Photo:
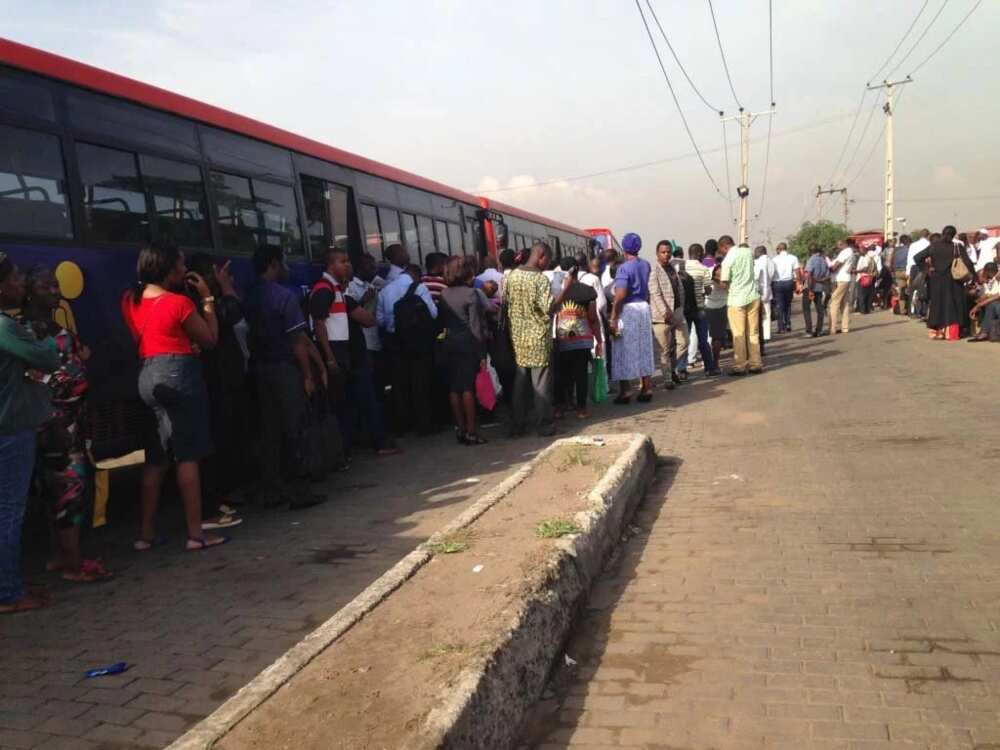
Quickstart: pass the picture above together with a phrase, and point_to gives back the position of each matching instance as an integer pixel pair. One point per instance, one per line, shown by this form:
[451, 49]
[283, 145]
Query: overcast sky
[485, 95]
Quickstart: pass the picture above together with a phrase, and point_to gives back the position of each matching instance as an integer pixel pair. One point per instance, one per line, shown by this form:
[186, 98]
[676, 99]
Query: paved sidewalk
[819, 569]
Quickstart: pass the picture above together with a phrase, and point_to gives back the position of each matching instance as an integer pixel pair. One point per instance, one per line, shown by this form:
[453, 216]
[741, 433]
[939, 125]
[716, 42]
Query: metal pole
[745, 119]
[819, 206]
[890, 179]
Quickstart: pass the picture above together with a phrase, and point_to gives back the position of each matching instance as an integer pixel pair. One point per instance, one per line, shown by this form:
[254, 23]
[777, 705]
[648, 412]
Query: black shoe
[713, 374]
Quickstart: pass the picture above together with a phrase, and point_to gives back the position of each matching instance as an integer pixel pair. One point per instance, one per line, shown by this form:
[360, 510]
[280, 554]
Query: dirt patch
[374, 686]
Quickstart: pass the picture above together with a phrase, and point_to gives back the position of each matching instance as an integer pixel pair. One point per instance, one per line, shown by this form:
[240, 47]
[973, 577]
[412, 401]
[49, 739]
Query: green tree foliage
[823, 233]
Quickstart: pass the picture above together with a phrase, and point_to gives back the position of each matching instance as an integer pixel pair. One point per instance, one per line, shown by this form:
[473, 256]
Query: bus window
[102, 115]
[410, 239]
[255, 213]
[179, 205]
[32, 185]
[326, 214]
[388, 220]
[373, 234]
[455, 239]
[245, 154]
[113, 200]
[279, 219]
[441, 230]
[23, 94]
[425, 228]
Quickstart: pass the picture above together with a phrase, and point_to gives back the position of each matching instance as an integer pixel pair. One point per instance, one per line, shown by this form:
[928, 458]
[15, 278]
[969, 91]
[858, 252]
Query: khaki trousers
[663, 347]
[840, 311]
[744, 322]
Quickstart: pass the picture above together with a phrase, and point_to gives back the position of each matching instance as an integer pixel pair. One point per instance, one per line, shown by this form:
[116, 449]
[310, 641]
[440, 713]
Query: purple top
[633, 276]
[708, 262]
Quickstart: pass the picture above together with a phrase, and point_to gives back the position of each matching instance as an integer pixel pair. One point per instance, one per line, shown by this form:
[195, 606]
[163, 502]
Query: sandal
[223, 521]
[145, 545]
[26, 603]
[201, 543]
[90, 571]
[471, 438]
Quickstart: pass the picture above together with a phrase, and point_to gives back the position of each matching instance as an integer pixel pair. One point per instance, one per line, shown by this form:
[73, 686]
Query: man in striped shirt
[434, 278]
[702, 277]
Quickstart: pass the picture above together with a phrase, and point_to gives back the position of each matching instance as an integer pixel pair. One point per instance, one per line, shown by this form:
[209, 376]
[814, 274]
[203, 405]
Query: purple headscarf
[631, 243]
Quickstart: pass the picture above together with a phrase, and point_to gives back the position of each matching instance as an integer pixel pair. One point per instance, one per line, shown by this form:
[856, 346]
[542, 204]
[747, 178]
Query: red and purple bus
[93, 165]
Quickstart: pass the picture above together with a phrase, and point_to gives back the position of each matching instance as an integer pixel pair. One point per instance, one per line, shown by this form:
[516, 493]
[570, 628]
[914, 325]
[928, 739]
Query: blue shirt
[385, 312]
[274, 314]
[819, 270]
[902, 251]
[633, 276]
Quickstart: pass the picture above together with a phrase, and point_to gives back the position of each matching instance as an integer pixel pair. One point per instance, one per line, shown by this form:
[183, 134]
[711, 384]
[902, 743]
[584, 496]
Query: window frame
[75, 217]
[303, 250]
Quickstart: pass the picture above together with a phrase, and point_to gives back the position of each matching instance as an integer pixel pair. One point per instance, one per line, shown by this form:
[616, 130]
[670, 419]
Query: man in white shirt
[843, 270]
[786, 266]
[916, 247]
[766, 275]
[986, 250]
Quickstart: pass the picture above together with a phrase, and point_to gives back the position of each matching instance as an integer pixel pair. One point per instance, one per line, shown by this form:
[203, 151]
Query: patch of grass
[441, 649]
[553, 528]
[575, 456]
[452, 544]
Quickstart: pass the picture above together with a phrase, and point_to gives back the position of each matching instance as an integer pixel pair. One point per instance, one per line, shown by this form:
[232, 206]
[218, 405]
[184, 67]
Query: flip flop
[91, 571]
[145, 545]
[197, 545]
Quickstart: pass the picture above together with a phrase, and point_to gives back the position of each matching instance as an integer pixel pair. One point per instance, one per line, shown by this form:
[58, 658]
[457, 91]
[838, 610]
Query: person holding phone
[167, 330]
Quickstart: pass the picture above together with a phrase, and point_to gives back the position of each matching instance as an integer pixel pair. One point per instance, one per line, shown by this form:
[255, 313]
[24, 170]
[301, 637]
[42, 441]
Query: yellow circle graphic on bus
[70, 279]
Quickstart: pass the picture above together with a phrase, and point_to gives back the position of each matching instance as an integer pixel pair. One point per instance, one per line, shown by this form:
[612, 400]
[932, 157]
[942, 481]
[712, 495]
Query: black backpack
[415, 330]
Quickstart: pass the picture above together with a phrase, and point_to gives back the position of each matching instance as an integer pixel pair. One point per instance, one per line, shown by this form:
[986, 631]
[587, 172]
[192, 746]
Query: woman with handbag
[950, 269]
[463, 312]
[867, 269]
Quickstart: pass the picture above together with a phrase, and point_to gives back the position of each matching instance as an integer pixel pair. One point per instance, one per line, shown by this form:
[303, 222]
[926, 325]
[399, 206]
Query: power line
[770, 122]
[843, 151]
[678, 61]
[725, 65]
[878, 140]
[932, 200]
[919, 39]
[857, 148]
[948, 38]
[676, 102]
[901, 40]
[656, 162]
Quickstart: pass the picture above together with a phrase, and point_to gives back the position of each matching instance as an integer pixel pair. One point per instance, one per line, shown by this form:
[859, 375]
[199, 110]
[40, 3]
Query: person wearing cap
[632, 324]
[24, 406]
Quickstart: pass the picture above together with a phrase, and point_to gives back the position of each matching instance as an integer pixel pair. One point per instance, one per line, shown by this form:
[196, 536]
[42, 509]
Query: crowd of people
[254, 395]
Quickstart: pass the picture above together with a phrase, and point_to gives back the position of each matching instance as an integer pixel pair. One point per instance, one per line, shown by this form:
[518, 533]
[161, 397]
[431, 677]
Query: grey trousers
[533, 383]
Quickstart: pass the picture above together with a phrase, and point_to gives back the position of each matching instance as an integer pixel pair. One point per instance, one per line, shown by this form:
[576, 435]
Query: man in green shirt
[530, 306]
[24, 406]
[744, 308]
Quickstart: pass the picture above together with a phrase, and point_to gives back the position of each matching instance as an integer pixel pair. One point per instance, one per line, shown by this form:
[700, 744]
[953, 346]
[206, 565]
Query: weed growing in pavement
[442, 649]
[453, 543]
[553, 528]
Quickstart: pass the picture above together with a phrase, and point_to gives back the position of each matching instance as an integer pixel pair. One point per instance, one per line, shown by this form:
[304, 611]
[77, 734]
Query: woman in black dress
[947, 296]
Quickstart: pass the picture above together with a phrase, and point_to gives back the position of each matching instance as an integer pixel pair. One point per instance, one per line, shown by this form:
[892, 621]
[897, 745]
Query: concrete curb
[487, 704]
[608, 504]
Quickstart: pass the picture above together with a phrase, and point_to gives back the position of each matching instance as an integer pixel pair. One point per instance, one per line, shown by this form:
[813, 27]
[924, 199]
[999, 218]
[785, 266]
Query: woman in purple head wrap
[632, 324]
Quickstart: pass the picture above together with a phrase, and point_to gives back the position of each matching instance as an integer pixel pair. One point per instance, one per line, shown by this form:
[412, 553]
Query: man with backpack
[406, 316]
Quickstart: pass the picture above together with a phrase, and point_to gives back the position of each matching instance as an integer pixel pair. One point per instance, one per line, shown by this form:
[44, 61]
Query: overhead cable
[947, 38]
[770, 120]
[725, 65]
[919, 39]
[899, 44]
[677, 104]
[864, 132]
[677, 60]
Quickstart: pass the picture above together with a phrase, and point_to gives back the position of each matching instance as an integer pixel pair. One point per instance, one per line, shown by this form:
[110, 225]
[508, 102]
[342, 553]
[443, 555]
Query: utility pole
[843, 194]
[890, 179]
[743, 191]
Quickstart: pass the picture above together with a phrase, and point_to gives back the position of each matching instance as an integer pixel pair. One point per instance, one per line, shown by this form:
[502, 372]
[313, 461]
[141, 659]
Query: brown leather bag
[959, 271]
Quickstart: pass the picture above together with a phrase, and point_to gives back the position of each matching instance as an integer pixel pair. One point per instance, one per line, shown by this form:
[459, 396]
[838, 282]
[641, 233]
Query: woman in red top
[166, 327]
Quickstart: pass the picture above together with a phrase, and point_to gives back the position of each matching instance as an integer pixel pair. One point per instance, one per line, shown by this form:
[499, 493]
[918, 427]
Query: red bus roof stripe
[64, 69]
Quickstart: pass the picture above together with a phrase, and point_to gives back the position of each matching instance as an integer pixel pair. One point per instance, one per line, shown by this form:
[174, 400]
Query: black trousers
[818, 303]
[784, 291]
[412, 378]
[571, 377]
[866, 294]
[282, 403]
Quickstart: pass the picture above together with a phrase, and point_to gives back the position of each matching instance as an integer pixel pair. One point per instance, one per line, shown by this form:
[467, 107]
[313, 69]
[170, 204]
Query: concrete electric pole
[743, 191]
[820, 192]
[890, 179]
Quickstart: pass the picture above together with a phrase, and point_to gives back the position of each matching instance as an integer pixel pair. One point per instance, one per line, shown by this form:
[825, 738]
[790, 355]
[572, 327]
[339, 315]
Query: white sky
[485, 95]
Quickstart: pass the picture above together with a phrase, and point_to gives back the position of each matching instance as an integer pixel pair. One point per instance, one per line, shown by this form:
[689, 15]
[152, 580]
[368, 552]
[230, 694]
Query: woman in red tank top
[167, 327]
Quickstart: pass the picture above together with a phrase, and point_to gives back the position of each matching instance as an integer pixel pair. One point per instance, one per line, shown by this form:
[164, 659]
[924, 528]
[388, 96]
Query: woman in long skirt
[632, 324]
[948, 304]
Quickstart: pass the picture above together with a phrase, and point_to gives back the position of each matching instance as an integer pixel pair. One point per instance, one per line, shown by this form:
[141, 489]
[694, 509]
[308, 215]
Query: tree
[824, 233]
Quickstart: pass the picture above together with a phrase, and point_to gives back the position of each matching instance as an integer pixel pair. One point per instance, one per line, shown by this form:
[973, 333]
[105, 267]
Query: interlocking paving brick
[810, 570]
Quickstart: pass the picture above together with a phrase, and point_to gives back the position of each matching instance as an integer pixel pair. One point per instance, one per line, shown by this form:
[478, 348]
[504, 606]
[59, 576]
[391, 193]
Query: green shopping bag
[598, 381]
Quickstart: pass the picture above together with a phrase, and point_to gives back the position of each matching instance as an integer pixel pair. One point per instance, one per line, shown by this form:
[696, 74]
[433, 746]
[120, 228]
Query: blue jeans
[701, 330]
[17, 461]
